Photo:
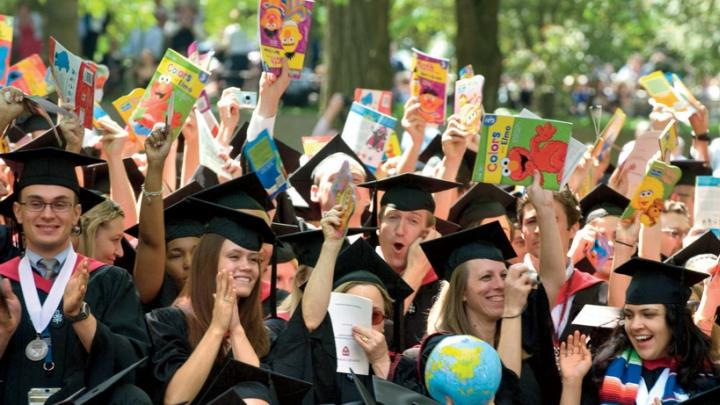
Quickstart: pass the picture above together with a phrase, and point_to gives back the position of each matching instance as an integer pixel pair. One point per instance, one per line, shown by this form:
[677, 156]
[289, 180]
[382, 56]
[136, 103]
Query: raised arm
[11, 106]
[705, 315]
[150, 258]
[454, 144]
[575, 362]
[272, 88]
[316, 297]
[517, 288]
[414, 126]
[626, 242]
[553, 261]
[191, 150]
[121, 191]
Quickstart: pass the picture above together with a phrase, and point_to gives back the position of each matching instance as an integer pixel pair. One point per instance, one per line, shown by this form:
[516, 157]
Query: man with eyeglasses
[67, 322]
[675, 223]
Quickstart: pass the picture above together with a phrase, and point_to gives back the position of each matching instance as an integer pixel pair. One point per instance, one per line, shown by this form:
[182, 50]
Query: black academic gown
[121, 339]
[415, 320]
[166, 296]
[311, 356]
[171, 349]
[512, 390]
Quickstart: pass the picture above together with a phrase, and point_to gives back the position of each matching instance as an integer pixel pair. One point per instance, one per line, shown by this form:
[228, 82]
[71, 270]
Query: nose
[187, 260]
[47, 211]
[119, 250]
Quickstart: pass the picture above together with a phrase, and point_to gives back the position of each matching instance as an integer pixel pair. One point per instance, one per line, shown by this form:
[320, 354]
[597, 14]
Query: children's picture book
[6, 37]
[74, 81]
[264, 159]
[512, 147]
[609, 135]
[343, 194]
[284, 27]
[102, 74]
[392, 147]
[655, 187]
[312, 144]
[675, 95]
[429, 85]
[209, 147]
[380, 100]
[468, 99]
[668, 141]
[707, 202]
[29, 76]
[177, 82]
[367, 131]
[633, 167]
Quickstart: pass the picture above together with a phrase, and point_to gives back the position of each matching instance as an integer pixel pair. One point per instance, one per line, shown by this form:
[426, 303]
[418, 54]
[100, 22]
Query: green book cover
[511, 148]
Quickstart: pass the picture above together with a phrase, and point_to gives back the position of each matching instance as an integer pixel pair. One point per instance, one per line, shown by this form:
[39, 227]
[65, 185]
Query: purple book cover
[429, 84]
[284, 27]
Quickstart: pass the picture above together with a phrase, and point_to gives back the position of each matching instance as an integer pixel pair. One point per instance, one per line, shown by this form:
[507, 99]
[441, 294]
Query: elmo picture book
[429, 85]
[367, 132]
[655, 187]
[511, 148]
[74, 81]
[174, 88]
[284, 30]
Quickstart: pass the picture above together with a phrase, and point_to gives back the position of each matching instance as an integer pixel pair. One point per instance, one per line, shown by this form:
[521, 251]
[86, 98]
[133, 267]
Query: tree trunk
[476, 43]
[61, 22]
[357, 47]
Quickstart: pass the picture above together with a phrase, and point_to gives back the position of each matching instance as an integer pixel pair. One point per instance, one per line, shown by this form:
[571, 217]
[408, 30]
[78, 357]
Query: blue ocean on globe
[463, 368]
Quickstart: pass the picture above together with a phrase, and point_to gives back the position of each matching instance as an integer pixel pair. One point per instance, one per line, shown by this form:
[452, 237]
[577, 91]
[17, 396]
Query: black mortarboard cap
[601, 202]
[283, 390]
[446, 227]
[284, 211]
[92, 395]
[410, 191]
[289, 156]
[245, 192]
[180, 194]
[51, 138]
[97, 176]
[387, 393]
[434, 148]
[708, 397]
[36, 122]
[359, 262]
[479, 202]
[484, 242]
[48, 166]
[307, 244]
[246, 230]
[690, 170]
[238, 140]
[704, 249]
[365, 395]
[658, 283]
[302, 178]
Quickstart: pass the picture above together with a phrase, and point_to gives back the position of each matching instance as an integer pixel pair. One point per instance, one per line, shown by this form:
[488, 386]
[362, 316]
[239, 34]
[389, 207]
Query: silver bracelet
[149, 195]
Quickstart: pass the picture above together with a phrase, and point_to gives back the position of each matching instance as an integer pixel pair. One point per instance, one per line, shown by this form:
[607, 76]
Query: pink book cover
[284, 27]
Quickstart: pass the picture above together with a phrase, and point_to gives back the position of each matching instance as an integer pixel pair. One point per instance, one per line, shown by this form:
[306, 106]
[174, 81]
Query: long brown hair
[448, 312]
[201, 287]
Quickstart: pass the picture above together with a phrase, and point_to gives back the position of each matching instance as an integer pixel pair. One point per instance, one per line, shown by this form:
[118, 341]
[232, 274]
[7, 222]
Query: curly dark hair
[687, 343]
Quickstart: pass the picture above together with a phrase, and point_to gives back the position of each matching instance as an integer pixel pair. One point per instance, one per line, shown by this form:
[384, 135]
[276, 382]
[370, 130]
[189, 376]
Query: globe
[464, 368]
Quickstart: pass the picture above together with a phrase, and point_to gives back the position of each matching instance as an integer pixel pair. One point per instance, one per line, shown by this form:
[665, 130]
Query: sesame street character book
[511, 148]
[367, 133]
[74, 80]
[264, 159]
[429, 85]
[284, 30]
[6, 37]
[30, 76]
[655, 187]
[609, 135]
[674, 95]
[380, 100]
[174, 88]
[468, 98]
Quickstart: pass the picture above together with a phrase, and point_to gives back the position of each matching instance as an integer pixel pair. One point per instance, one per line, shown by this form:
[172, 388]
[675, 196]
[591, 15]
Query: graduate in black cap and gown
[684, 190]
[89, 325]
[222, 317]
[483, 299]
[405, 219]
[657, 352]
[306, 349]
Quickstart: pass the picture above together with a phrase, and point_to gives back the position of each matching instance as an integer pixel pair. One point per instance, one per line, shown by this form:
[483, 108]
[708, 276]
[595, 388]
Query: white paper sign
[707, 202]
[346, 311]
[209, 148]
[575, 152]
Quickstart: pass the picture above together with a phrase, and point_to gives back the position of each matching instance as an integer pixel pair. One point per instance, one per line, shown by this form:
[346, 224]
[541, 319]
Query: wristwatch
[702, 137]
[83, 315]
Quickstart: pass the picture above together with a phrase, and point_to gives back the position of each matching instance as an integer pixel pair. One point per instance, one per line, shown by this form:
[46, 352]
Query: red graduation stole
[10, 269]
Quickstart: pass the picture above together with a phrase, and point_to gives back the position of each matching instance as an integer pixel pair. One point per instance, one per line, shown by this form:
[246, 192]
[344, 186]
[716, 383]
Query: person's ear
[314, 189]
[16, 210]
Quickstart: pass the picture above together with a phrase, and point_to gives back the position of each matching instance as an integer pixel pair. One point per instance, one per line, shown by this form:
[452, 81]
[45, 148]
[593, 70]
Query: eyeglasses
[59, 206]
[378, 317]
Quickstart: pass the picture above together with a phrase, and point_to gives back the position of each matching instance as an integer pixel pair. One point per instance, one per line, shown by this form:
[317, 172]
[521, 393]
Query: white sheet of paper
[575, 152]
[598, 316]
[345, 311]
[707, 201]
[209, 148]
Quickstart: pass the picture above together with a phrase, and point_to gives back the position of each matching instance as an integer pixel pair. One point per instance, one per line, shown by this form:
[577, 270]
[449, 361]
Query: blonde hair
[292, 301]
[90, 221]
[448, 312]
[387, 300]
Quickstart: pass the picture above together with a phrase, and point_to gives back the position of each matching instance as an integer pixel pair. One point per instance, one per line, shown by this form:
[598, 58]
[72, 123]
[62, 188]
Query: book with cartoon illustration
[468, 98]
[264, 159]
[343, 194]
[176, 84]
[284, 27]
[30, 76]
[367, 131]
[6, 37]
[380, 100]
[74, 81]
[429, 84]
[655, 187]
[511, 148]
[674, 95]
